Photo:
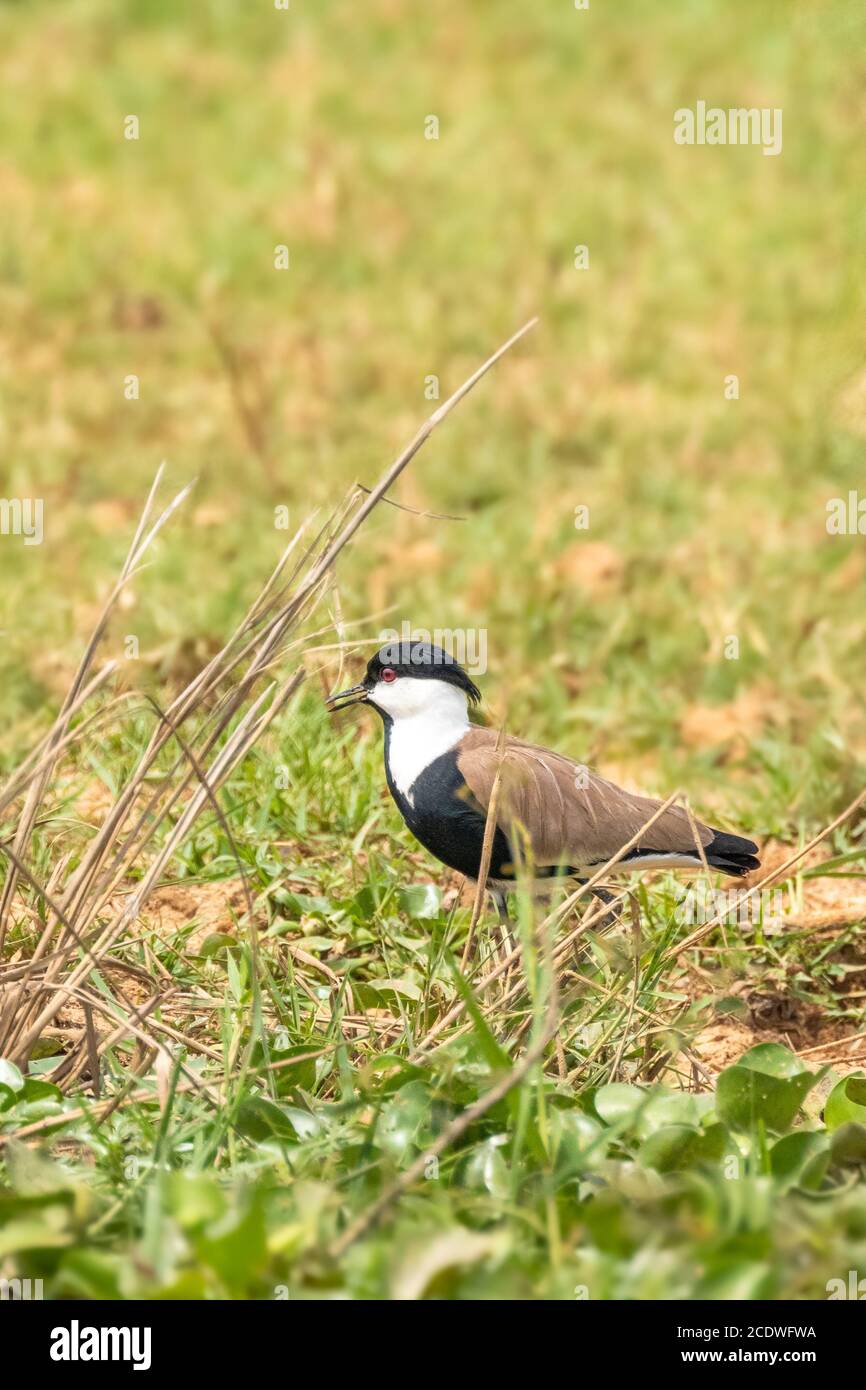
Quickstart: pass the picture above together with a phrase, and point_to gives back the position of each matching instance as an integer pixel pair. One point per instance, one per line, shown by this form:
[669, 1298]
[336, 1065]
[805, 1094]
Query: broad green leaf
[289, 1074]
[314, 944]
[363, 906]
[486, 1168]
[35, 1100]
[399, 1069]
[665, 1107]
[34, 1174]
[235, 1245]
[577, 1137]
[405, 1120]
[619, 1103]
[675, 1147]
[34, 1089]
[801, 1159]
[10, 1075]
[848, 1144]
[737, 1281]
[771, 1059]
[299, 905]
[215, 944]
[260, 1119]
[404, 987]
[7, 1098]
[846, 1102]
[746, 1097]
[430, 1259]
[305, 1123]
[194, 1199]
[32, 1233]
[26, 1111]
[90, 1274]
[421, 900]
[34, 1223]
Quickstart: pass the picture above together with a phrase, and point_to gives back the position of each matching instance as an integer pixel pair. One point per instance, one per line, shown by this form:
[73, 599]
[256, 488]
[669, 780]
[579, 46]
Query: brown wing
[570, 814]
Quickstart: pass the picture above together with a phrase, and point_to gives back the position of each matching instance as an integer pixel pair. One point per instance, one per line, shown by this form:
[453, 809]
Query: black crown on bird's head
[420, 660]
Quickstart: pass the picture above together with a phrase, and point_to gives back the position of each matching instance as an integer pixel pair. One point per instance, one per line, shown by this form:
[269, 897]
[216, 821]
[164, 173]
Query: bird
[441, 769]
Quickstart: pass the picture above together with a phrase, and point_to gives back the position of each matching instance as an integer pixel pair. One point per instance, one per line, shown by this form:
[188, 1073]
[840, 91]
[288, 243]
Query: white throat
[428, 718]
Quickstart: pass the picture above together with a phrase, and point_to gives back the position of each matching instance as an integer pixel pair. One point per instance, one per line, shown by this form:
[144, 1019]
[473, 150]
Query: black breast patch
[444, 815]
[449, 822]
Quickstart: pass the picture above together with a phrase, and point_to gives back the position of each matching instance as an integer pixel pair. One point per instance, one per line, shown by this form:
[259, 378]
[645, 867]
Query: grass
[279, 1091]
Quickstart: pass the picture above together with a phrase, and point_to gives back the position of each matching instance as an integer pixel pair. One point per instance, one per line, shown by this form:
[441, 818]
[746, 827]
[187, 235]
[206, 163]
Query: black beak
[356, 695]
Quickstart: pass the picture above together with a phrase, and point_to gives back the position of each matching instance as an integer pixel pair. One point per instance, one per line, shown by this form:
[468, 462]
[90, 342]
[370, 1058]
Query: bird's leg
[501, 903]
[610, 919]
[602, 894]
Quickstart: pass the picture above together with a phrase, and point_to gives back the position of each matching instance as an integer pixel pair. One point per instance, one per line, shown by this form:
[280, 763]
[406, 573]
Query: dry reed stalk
[204, 734]
[486, 852]
[551, 922]
[775, 876]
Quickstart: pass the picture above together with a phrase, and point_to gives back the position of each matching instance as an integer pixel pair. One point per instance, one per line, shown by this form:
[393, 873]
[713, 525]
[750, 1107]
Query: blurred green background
[412, 257]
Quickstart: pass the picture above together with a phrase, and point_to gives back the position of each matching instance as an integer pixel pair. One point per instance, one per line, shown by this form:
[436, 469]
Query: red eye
[388, 675]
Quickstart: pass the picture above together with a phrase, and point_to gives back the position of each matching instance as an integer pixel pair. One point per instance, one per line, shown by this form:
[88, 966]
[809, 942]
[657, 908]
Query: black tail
[732, 854]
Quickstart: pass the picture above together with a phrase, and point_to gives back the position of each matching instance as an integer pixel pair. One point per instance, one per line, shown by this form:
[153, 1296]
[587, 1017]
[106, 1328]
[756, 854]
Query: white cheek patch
[428, 718]
[398, 698]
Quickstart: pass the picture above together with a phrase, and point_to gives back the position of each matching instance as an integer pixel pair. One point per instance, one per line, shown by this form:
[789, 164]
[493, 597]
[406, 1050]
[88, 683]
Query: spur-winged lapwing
[441, 771]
